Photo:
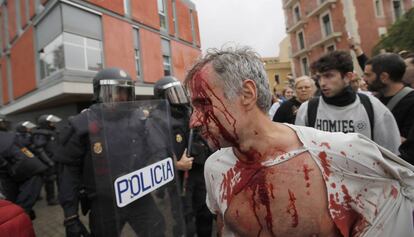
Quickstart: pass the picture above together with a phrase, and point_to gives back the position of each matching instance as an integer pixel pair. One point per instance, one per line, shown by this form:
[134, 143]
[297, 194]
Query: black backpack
[313, 109]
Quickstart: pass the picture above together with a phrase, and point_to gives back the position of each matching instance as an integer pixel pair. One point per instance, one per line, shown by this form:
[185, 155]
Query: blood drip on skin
[306, 171]
[291, 209]
[325, 144]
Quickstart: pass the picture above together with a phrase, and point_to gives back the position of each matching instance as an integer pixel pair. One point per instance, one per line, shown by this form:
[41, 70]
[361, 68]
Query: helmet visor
[116, 91]
[53, 119]
[175, 93]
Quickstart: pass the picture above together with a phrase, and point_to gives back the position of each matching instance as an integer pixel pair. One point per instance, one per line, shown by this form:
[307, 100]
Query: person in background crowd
[45, 142]
[287, 94]
[304, 88]
[273, 179]
[340, 109]
[275, 103]
[409, 70]
[356, 82]
[383, 74]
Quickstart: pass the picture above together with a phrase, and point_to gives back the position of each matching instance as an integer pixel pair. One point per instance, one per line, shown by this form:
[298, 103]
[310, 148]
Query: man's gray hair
[234, 65]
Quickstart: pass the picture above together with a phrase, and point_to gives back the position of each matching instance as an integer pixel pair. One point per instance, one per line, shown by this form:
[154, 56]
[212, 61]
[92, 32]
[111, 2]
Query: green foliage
[400, 35]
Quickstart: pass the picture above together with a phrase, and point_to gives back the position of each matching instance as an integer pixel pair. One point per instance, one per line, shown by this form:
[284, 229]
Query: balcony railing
[300, 52]
[297, 25]
[322, 7]
[326, 39]
[288, 3]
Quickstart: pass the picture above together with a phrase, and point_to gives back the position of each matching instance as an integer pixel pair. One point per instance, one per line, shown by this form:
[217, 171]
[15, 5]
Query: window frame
[138, 54]
[296, 18]
[304, 71]
[169, 56]
[379, 13]
[162, 14]
[322, 24]
[298, 39]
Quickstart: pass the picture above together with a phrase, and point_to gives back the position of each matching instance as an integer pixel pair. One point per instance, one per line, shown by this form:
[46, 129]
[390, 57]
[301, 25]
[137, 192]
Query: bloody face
[213, 114]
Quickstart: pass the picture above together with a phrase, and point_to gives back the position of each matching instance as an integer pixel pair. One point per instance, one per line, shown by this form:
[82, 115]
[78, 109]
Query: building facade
[51, 49]
[279, 69]
[318, 26]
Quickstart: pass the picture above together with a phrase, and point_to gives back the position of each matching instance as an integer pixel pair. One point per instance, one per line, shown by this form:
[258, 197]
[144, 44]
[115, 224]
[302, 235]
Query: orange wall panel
[23, 64]
[184, 22]
[183, 58]
[11, 9]
[23, 18]
[2, 32]
[151, 56]
[116, 6]
[32, 9]
[3, 63]
[196, 28]
[118, 44]
[146, 12]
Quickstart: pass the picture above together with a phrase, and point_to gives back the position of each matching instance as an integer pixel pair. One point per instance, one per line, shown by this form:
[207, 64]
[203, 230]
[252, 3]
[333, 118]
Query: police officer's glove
[75, 228]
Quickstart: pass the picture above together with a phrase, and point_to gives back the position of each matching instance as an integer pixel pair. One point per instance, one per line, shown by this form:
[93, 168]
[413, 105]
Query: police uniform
[20, 172]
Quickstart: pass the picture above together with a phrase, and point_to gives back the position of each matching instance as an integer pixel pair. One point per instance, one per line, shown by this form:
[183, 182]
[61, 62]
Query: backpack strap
[396, 98]
[312, 111]
[366, 102]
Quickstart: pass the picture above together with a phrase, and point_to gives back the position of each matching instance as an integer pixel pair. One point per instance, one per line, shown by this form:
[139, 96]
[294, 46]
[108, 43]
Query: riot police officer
[90, 163]
[20, 169]
[191, 153]
[44, 145]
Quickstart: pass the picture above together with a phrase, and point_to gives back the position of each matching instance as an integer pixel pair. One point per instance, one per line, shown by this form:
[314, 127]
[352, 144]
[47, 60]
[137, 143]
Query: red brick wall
[23, 18]
[11, 9]
[2, 32]
[151, 56]
[196, 28]
[3, 72]
[118, 45]
[183, 58]
[23, 64]
[146, 12]
[368, 32]
[116, 6]
[32, 9]
[184, 21]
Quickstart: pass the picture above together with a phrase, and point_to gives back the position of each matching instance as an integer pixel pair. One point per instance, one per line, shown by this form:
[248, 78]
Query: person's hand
[355, 46]
[185, 163]
[75, 228]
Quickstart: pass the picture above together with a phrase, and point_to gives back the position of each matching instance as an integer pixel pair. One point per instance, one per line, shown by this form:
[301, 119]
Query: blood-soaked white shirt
[360, 177]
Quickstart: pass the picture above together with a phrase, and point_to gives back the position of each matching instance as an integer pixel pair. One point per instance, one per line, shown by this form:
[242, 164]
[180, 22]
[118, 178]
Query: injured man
[273, 179]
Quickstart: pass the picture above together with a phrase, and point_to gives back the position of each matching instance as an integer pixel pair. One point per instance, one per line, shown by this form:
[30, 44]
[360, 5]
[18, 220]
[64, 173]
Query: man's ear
[249, 94]
[348, 77]
[384, 77]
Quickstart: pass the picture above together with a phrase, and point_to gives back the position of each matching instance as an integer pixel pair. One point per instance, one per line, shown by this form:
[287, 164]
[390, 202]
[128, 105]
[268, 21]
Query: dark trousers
[143, 216]
[195, 208]
[22, 193]
[50, 180]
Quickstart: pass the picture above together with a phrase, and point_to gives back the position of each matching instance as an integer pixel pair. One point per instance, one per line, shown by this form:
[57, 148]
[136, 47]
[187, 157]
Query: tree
[400, 35]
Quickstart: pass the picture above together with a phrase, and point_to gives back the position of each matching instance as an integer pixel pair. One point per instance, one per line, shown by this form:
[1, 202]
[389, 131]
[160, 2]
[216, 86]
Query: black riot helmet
[171, 89]
[48, 121]
[113, 85]
[25, 126]
[4, 123]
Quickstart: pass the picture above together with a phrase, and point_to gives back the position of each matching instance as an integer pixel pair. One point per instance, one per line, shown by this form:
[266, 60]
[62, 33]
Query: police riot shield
[137, 190]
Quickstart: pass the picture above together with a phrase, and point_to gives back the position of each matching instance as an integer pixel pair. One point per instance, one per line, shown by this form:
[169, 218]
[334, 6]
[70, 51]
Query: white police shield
[136, 184]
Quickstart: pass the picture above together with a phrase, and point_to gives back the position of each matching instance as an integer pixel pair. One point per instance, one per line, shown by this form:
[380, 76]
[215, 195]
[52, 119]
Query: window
[277, 79]
[193, 26]
[175, 17]
[166, 55]
[6, 25]
[382, 31]
[18, 17]
[82, 53]
[326, 24]
[379, 10]
[64, 41]
[296, 13]
[301, 40]
[162, 14]
[72, 52]
[398, 8]
[305, 66]
[137, 54]
[127, 7]
[330, 48]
